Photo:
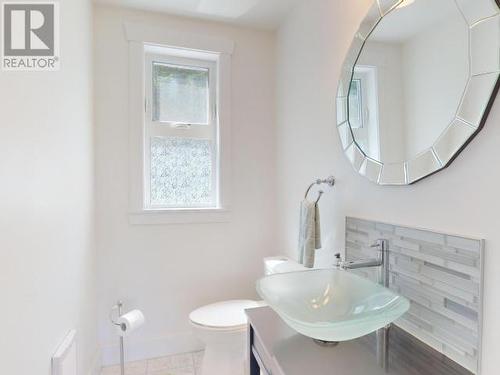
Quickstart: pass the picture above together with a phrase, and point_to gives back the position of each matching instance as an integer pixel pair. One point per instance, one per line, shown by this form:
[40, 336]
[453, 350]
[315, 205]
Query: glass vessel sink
[331, 305]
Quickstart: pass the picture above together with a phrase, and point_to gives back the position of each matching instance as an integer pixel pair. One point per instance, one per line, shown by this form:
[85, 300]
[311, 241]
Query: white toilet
[223, 328]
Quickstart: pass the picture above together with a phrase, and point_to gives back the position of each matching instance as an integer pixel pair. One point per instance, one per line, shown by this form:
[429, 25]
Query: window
[181, 140]
[356, 104]
[363, 109]
[179, 122]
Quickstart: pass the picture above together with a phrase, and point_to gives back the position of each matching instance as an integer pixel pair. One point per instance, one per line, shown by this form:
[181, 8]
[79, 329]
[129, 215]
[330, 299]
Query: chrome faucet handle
[380, 244]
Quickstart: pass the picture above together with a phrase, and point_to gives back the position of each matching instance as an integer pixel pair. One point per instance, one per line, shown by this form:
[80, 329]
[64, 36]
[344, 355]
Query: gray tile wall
[440, 274]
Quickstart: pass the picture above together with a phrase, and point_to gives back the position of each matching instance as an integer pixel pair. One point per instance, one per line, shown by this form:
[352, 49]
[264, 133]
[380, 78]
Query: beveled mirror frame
[469, 119]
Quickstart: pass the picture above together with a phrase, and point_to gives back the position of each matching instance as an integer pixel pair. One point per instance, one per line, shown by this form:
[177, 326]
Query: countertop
[295, 354]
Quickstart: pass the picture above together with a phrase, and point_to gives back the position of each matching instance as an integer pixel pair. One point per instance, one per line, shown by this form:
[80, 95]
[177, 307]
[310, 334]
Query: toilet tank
[281, 264]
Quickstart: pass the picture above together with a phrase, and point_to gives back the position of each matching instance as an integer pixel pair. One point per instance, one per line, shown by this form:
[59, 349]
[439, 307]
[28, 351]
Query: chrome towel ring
[330, 181]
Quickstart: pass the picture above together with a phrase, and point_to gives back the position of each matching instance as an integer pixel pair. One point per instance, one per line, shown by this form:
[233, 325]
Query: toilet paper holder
[119, 307]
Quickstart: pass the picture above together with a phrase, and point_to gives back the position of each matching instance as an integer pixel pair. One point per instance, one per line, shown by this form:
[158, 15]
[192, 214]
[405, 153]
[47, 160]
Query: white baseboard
[136, 350]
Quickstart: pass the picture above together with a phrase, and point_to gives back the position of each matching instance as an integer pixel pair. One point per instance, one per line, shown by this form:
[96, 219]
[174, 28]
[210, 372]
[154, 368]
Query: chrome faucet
[380, 245]
[381, 261]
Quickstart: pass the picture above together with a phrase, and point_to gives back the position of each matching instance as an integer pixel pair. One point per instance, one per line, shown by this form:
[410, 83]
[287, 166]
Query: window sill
[182, 216]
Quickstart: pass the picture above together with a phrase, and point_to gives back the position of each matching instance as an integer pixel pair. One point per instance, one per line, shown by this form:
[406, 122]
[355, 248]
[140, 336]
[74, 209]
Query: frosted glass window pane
[180, 94]
[181, 172]
[355, 105]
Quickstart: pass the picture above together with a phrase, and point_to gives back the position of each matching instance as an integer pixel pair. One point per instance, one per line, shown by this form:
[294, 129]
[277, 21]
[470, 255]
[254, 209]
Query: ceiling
[406, 22]
[264, 14]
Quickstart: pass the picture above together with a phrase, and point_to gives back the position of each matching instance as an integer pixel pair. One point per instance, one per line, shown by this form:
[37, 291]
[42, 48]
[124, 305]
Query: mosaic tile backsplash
[440, 274]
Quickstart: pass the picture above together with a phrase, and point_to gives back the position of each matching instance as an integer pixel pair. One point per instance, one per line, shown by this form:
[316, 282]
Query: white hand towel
[309, 233]
[317, 228]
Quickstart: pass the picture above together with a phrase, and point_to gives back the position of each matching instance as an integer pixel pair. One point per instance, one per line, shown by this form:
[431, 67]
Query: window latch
[180, 125]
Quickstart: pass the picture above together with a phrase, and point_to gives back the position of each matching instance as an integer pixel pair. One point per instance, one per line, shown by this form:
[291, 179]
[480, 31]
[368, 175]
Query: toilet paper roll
[129, 322]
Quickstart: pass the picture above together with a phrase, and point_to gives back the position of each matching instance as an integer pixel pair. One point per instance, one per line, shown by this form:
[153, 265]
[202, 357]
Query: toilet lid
[226, 314]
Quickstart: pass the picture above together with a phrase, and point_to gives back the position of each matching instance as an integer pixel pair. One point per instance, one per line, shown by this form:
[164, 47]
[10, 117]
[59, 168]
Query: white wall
[435, 78]
[168, 270]
[463, 199]
[387, 58]
[48, 262]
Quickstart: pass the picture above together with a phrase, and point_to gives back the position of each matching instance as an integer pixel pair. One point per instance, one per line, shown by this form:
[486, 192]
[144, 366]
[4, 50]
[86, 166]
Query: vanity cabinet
[276, 349]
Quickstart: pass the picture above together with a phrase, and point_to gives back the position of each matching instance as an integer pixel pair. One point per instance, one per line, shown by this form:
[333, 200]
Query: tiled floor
[181, 364]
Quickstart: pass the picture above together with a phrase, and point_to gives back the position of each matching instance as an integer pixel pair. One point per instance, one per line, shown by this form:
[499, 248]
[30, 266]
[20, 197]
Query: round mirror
[417, 85]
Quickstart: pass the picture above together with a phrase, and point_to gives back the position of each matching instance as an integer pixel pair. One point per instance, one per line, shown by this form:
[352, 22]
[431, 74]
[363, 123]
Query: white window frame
[368, 77]
[167, 129]
[183, 46]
